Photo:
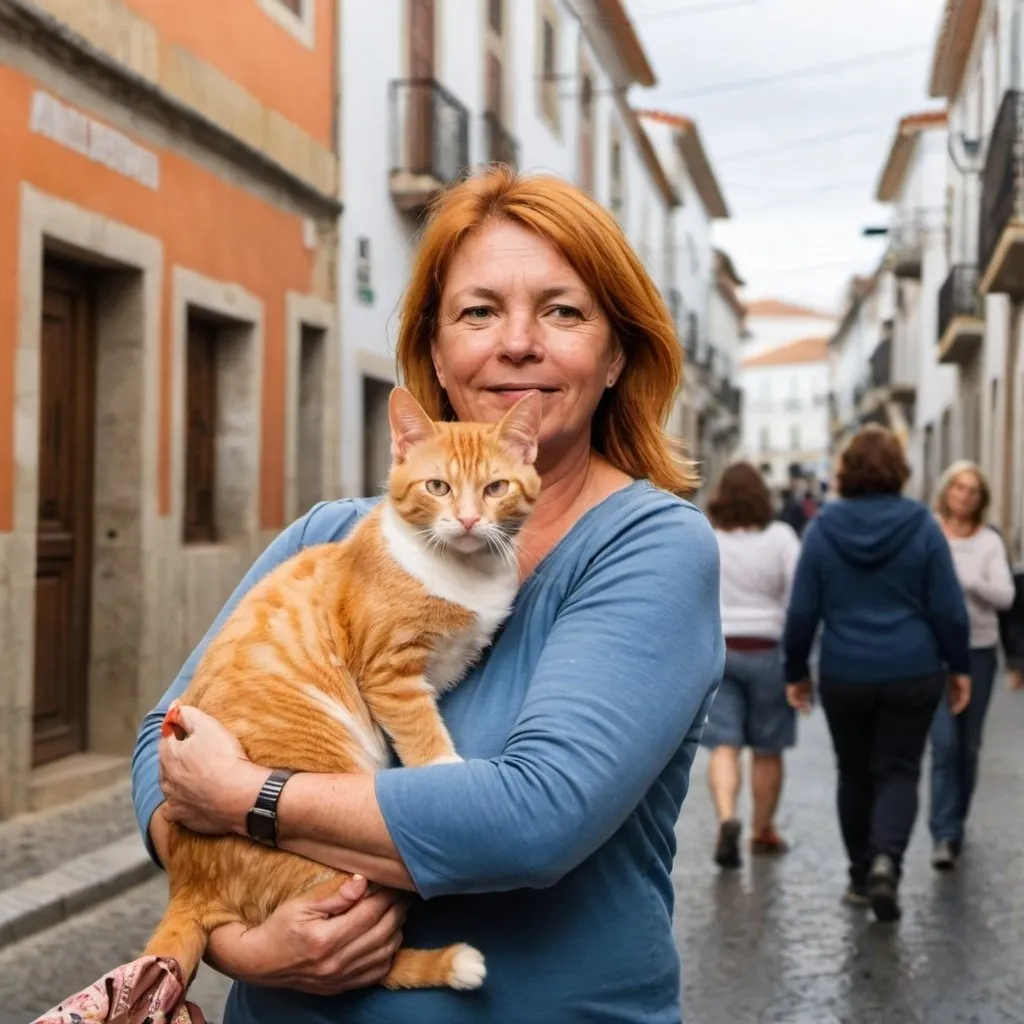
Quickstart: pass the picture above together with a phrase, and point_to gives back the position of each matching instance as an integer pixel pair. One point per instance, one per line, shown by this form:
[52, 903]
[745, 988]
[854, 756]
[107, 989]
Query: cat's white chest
[457, 656]
[487, 596]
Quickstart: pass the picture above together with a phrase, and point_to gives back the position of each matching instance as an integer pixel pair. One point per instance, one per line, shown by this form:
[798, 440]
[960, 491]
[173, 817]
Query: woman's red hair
[628, 426]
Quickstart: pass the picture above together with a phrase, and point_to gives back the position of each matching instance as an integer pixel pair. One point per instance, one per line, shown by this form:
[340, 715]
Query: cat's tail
[459, 966]
[180, 936]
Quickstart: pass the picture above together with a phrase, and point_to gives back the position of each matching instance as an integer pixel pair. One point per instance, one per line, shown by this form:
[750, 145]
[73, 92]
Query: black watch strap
[261, 821]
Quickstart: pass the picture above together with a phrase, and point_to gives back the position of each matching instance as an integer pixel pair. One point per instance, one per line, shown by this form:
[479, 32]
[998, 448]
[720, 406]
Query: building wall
[785, 418]
[167, 210]
[373, 54]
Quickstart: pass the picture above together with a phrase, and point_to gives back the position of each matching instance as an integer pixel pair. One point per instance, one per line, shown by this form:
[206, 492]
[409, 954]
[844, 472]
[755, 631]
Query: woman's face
[964, 495]
[515, 317]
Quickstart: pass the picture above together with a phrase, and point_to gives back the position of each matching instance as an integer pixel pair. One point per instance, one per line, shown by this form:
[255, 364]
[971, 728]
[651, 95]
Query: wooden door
[420, 112]
[64, 534]
[200, 523]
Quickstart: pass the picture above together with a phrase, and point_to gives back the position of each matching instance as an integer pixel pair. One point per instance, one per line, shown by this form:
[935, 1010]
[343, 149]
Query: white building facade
[785, 417]
[906, 386]
[978, 68]
[431, 88]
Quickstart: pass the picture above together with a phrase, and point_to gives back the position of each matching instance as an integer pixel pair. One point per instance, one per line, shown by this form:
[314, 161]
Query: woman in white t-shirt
[758, 559]
[982, 566]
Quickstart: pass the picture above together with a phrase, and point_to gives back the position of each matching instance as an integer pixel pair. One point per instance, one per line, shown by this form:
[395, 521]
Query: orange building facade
[168, 346]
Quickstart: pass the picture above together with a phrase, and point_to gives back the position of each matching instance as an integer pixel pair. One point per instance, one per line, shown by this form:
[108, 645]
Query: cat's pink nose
[468, 522]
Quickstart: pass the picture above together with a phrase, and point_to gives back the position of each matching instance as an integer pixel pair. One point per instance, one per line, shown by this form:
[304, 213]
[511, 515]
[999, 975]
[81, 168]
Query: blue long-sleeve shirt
[550, 848]
[878, 573]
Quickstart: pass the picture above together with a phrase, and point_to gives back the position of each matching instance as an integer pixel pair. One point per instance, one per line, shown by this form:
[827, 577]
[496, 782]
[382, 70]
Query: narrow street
[771, 944]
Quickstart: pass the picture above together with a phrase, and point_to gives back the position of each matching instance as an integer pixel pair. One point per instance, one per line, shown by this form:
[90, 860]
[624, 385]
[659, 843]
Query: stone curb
[76, 885]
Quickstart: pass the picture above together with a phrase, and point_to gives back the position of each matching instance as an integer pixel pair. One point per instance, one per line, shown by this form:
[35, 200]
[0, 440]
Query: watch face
[262, 825]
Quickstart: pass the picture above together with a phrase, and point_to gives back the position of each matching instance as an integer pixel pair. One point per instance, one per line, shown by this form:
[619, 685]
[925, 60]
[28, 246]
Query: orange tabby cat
[346, 642]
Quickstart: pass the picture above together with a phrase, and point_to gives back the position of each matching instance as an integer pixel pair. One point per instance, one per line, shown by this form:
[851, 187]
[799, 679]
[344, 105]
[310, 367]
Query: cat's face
[465, 487]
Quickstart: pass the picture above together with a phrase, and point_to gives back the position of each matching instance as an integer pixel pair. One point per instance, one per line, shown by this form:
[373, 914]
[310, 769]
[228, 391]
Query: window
[201, 431]
[794, 437]
[615, 198]
[586, 150]
[548, 70]
[766, 439]
[495, 13]
[376, 435]
[311, 418]
[296, 17]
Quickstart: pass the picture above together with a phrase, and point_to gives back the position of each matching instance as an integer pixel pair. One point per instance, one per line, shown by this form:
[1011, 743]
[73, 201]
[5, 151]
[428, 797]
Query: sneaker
[882, 886]
[727, 849]
[944, 855]
[856, 896]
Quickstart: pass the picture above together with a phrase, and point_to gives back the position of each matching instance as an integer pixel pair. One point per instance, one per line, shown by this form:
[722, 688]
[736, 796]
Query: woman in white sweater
[758, 559]
[980, 559]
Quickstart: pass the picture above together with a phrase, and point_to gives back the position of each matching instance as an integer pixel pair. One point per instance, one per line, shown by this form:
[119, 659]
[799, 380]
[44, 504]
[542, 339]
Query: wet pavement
[770, 944]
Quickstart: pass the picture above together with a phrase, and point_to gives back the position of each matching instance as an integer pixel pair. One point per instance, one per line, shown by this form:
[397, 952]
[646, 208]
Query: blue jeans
[956, 745]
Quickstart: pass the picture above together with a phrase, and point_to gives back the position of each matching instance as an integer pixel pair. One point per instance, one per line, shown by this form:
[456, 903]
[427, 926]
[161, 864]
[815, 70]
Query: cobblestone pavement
[770, 944]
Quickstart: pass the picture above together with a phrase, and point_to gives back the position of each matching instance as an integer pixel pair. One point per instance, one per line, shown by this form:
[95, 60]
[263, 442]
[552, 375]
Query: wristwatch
[261, 821]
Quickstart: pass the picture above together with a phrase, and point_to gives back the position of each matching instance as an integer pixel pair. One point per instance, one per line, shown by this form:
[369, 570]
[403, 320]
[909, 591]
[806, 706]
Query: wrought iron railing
[429, 130]
[502, 146]
[1002, 183]
[959, 296]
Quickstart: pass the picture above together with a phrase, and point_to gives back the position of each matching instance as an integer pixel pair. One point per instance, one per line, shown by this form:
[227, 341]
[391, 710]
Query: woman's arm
[992, 581]
[625, 678]
[804, 612]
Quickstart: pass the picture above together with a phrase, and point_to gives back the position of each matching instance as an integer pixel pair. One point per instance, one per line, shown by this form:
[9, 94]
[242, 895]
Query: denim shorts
[750, 708]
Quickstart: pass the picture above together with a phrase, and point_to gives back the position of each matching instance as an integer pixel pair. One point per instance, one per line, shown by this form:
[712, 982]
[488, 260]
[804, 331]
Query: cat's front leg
[405, 707]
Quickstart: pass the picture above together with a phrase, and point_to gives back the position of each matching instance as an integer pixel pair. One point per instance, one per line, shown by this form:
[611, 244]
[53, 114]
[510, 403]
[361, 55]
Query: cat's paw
[468, 969]
[446, 759]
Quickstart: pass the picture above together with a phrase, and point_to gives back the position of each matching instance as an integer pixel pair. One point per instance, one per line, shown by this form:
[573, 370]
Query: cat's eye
[438, 488]
[496, 489]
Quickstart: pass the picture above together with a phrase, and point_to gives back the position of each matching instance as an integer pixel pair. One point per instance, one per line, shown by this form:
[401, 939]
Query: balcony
[906, 244]
[883, 389]
[691, 339]
[429, 141]
[1001, 230]
[961, 316]
[501, 144]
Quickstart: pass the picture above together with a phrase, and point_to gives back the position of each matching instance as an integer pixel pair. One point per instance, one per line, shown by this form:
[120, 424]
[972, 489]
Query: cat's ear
[520, 426]
[409, 423]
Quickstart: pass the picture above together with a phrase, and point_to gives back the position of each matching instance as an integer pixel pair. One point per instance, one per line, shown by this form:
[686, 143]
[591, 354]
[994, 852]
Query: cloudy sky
[798, 159]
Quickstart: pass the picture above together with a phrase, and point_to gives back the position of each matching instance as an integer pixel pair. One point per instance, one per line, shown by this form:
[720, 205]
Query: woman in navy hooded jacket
[877, 573]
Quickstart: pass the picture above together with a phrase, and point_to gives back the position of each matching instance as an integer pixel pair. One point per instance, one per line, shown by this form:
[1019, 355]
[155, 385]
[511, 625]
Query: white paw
[468, 968]
[446, 759]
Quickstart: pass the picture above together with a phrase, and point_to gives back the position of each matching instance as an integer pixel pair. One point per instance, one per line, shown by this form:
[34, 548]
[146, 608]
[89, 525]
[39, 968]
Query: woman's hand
[959, 693]
[1015, 678]
[209, 783]
[317, 943]
[799, 696]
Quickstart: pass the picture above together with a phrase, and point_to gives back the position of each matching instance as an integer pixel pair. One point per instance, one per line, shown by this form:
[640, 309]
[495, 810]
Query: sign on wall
[95, 141]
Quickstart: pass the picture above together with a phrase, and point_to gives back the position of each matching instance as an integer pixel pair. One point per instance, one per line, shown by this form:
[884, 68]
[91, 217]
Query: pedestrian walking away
[758, 558]
[876, 572]
[983, 569]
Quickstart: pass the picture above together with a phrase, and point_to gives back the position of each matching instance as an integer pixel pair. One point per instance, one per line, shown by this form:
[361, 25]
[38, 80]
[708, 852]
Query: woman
[877, 572]
[980, 559]
[550, 849]
[758, 557]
